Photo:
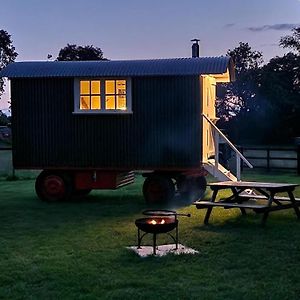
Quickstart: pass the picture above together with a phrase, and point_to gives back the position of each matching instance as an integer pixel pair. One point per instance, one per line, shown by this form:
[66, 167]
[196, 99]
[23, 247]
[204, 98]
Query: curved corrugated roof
[117, 68]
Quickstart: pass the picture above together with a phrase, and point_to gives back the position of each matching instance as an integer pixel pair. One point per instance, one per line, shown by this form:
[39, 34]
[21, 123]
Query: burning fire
[154, 222]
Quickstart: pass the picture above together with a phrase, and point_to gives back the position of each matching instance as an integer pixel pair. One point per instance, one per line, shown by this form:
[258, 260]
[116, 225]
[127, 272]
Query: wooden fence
[285, 158]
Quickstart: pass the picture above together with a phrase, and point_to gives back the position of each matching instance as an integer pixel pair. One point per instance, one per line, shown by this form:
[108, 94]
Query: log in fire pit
[156, 222]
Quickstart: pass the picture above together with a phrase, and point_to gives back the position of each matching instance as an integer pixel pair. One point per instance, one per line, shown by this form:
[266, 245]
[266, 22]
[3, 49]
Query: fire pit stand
[156, 222]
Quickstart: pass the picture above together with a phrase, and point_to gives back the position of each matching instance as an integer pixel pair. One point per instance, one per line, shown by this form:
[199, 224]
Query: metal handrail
[228, 142]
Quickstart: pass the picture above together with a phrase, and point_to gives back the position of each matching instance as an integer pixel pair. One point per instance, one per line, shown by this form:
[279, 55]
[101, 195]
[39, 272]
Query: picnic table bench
[261, 198]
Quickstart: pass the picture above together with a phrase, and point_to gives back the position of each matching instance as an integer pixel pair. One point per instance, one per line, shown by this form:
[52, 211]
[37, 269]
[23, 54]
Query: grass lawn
[76, 250]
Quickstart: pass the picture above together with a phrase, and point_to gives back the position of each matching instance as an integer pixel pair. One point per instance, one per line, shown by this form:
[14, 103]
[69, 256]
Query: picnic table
[261, 197]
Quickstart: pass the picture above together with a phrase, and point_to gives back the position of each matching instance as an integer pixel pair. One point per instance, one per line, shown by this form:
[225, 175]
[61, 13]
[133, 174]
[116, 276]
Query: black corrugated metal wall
[162, 132]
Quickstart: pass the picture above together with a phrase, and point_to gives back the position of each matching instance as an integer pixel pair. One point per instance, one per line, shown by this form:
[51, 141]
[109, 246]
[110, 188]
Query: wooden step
[220, 172]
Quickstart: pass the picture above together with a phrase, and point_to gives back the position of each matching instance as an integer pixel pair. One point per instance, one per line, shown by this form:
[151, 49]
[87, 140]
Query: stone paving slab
[162, 250]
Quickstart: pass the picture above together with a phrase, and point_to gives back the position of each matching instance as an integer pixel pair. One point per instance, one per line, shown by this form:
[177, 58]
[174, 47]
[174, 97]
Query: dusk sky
[137, 29]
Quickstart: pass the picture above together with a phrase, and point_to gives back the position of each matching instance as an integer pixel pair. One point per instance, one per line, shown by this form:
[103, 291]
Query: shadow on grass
[20, 207]
[22, 210]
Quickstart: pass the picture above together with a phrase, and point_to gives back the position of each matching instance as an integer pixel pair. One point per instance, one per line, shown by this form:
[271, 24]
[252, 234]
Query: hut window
[90, 96]
[115, 94]
[103, 95]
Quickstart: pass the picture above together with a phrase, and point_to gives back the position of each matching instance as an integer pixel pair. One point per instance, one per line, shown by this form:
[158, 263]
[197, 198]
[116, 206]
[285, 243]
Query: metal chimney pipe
[195, 48]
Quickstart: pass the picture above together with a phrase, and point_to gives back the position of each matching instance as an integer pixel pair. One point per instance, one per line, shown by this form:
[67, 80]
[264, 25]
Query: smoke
[282, 26]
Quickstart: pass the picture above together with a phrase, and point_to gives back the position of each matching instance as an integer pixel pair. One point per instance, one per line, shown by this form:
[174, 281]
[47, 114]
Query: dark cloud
[229, 25]
[284, 26]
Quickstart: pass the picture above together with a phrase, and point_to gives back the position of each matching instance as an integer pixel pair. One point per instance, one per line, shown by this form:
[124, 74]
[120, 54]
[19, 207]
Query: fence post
[242, 163]
[298, 159]
[238, 167]
[268, 159]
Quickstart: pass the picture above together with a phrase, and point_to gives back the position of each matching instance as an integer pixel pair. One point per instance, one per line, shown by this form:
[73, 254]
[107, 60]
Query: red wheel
[158, 189]
[53, 186]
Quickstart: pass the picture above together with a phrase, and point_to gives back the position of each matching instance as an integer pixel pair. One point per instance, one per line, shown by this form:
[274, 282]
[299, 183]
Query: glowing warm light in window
[84, 102]
[121, 87]
[109, 87]
[115, 91]
[110, 102]
[103, 94]
[95, 101]
[121, 102]
[153, 222]
[90, 92]
[95, 87]
[84, 87]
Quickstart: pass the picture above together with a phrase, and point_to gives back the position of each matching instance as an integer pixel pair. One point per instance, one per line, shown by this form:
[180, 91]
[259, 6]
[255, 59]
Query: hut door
[208, 97]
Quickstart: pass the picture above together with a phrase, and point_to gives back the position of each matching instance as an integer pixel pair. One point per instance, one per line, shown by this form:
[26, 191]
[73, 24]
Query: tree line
[261, 107]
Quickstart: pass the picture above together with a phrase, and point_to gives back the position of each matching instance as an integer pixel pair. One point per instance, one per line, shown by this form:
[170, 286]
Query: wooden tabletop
[253, 184]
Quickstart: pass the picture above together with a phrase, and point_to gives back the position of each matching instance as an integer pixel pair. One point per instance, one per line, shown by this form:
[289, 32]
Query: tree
[292, 41]
[263, 105]
[4, 119]
[238, 98]
[245, 59]
[74, 52]
[280, 85]
[7, 54]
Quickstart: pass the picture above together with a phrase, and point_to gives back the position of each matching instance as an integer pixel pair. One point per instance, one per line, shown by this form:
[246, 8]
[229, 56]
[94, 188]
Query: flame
[154, 222]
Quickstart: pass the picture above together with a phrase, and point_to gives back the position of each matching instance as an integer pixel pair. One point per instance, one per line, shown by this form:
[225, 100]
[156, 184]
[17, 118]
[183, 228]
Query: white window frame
[102, 80]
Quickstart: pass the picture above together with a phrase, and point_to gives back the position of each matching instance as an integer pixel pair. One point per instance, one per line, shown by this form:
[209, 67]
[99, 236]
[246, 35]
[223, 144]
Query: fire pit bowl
[157, 224]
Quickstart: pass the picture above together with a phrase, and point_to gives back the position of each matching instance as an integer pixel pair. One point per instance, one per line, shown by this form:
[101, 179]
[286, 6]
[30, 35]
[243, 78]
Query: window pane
[121, 102]
[85, 102]
[96, 102]
[84, 87]
[110, 102]
[109, 87]
[95, 87]
[121, 87]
